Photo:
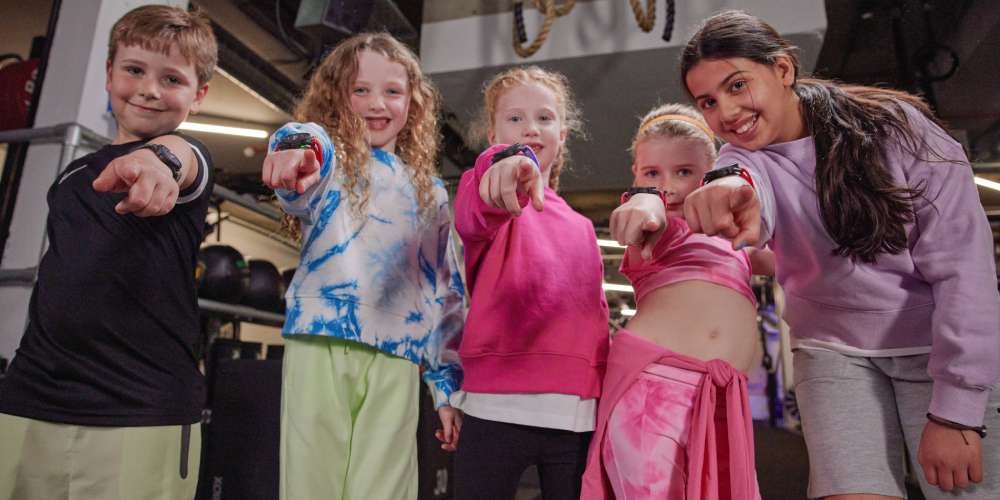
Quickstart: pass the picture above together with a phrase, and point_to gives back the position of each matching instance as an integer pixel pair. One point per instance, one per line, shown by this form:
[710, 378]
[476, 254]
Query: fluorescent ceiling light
[219, 129]
[986, 183]
[627, 312]
[613, 287]
[608, 244]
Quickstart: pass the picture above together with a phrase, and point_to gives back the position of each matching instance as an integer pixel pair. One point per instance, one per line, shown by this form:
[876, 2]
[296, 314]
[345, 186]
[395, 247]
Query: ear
[491, 135]
[785, 69]
[635, 171]
[107, 80]
[198, 97]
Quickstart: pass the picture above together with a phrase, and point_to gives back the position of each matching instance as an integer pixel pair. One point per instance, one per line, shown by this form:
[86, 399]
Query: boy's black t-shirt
[113, 319]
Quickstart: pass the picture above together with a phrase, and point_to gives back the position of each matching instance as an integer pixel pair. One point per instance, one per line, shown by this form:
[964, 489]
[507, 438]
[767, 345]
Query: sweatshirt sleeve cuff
[958, 404]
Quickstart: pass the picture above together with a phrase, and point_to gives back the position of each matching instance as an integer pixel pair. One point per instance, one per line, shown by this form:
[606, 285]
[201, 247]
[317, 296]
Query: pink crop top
[681, 255]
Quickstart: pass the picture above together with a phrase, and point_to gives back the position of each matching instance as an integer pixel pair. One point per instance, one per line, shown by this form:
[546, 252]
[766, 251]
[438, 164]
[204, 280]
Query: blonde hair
[327, 101]
[158, 27]
[569, 111]
[675, 120]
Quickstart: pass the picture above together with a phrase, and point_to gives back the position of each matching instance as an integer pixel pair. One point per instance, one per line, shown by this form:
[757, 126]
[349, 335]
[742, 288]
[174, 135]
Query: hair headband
[680, 118]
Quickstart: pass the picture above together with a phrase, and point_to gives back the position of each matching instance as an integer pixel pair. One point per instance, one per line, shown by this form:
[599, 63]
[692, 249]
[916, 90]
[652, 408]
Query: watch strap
[627, 195]
[301, 140]
[166, 156]
[513, 150]
[727, 171]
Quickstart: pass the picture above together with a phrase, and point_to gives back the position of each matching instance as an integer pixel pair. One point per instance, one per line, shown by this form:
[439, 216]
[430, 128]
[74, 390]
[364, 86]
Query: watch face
[167, 157]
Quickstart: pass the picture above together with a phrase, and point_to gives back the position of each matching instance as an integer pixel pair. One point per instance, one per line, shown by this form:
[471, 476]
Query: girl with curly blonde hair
[376, 297]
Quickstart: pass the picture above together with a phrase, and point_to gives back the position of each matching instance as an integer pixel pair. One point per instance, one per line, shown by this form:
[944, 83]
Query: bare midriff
[702, 320]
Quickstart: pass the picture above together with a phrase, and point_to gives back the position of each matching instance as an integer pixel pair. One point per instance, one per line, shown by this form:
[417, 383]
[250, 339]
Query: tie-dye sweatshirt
[388, 278]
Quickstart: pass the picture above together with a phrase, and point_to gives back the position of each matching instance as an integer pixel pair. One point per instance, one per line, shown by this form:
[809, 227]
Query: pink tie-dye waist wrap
[670, 426]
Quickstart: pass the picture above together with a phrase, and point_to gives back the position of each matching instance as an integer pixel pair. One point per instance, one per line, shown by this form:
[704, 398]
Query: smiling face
[674, 165]
[529, 113]
[748, 104]
[151, 93]
[380, 94]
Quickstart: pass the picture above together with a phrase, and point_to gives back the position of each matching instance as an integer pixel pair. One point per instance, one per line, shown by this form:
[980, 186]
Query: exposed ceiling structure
[265, 59]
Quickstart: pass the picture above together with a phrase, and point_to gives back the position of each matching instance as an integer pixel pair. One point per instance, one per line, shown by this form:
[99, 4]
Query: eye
[651, 173]
[738, 86]
[514, 119]
[684, 172]
[360, 90]
[173, 80]
[706, 103]
[133, 70]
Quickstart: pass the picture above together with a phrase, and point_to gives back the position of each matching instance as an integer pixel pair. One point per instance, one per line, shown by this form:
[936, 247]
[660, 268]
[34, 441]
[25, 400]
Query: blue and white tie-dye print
[388, 279]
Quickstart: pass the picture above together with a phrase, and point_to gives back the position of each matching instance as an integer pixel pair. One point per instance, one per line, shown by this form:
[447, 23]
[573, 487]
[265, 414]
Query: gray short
[862, 419]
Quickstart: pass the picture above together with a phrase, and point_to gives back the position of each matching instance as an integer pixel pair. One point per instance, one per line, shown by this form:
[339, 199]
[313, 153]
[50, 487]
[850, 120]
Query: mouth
[144, 108]
[747, 126]
[377, 124]
[675, 207]
[536, 147]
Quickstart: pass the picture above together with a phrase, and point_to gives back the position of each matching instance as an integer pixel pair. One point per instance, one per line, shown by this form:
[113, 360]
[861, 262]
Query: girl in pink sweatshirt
[536, 336]
[884, 253]
[674, 419]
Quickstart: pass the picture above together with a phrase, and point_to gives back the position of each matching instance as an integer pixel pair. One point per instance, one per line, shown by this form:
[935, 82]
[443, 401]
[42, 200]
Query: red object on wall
[17, 86]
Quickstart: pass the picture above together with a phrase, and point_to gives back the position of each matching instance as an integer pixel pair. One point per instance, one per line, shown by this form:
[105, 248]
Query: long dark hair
[863, 210]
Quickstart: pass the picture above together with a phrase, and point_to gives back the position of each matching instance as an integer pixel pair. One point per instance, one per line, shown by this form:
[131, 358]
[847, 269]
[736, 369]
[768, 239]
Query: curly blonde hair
[569, 111]
[327, 101]
[676, 120]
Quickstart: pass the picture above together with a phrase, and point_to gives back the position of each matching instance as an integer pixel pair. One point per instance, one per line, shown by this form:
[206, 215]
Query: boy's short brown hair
[157, 27]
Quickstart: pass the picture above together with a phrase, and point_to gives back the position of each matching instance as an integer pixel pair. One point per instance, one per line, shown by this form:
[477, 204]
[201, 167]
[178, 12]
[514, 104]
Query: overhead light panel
[614, 287]
[220, 129]
[986, 183]
[608, 244]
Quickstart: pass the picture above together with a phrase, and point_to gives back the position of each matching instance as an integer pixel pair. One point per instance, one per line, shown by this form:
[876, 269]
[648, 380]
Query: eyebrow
[723, 83]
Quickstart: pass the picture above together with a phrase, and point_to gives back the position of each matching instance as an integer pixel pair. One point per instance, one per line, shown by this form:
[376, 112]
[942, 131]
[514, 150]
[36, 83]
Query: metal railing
[73, 135]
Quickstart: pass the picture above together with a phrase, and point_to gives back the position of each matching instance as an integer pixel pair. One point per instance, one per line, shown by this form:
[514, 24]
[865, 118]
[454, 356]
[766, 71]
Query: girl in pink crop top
[674, 413]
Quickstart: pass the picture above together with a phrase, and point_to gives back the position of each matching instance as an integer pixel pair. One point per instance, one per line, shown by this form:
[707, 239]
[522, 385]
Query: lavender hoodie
[938, 296]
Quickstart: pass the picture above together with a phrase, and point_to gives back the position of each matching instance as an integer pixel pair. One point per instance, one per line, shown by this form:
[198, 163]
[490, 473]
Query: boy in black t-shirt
[101, 397]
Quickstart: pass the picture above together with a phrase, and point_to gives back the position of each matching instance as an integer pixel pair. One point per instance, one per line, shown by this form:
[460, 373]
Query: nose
[531, 128]
[148, 89]
[729, 110]
[376, 103]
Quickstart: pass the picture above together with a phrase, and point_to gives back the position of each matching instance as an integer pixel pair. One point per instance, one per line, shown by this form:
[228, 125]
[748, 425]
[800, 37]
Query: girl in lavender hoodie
[885, 255]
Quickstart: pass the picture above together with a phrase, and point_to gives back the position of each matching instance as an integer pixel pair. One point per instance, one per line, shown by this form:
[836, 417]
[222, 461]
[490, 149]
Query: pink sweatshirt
[538, 320]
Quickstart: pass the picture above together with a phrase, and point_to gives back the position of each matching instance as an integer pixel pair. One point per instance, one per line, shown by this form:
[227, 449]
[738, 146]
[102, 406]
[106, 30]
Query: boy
[100, 399]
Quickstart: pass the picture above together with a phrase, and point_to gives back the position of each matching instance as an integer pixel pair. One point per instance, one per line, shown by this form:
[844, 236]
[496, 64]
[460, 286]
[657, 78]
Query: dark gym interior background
[944, 50]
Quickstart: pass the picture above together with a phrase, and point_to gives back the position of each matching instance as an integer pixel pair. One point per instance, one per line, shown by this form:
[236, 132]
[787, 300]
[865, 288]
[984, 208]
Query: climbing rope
[550, 10]
[645, 19]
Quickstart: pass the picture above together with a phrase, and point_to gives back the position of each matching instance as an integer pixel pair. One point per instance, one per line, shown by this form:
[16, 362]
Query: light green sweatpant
[48, 461]
[348, 422]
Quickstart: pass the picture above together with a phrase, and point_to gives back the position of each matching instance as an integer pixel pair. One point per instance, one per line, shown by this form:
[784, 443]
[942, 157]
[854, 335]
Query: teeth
[746, 126]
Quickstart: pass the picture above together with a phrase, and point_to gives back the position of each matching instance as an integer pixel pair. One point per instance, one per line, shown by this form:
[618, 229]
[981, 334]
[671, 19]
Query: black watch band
[166, 156]
[302, 140]
[640, 190]
[513, 150]
[721, 172]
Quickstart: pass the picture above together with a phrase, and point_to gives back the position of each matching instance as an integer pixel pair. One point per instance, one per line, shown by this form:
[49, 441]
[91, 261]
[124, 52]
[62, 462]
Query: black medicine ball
[266, 291]
[226, 277]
